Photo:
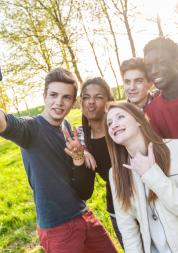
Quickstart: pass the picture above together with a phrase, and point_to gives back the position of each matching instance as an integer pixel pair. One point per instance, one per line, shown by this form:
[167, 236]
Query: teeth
[58, 110]
[133, 94]
[118, 132]
[157, 80]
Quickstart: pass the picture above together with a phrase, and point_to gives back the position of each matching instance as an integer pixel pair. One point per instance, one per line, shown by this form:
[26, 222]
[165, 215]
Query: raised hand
[140, 163]
[73, 147]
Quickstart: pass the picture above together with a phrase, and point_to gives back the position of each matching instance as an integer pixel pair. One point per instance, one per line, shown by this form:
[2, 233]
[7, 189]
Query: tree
[124, 9]
[0, 75]
[105, 10]
[4, 99]
[41, 42]
[87, 15]
[60, 15]
[158, 22]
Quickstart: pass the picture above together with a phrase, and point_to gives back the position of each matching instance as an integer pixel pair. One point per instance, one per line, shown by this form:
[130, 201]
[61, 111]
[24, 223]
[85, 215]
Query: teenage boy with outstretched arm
[59, 182]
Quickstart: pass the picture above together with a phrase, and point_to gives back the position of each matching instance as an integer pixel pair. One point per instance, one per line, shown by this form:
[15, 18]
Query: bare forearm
[3, 123]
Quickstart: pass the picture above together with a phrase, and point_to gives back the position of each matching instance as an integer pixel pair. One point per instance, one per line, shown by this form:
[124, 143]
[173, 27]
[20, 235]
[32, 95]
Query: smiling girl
[144, 181]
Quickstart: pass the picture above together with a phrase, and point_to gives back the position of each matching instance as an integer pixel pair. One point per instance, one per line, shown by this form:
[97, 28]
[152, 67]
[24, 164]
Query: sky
[142, 32]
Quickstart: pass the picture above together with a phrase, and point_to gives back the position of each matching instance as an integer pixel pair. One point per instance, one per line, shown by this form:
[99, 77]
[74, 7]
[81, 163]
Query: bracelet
[79, 155]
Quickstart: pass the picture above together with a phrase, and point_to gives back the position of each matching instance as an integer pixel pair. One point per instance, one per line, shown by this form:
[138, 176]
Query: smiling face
[136, 86]
[59, 99]
[122, 127]
[161, 67]
[93, 101]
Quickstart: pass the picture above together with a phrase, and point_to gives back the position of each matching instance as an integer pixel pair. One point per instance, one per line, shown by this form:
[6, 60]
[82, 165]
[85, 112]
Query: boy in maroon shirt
[161, 60]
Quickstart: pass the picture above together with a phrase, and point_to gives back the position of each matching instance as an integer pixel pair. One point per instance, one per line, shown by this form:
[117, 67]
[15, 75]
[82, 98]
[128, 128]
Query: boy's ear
[150, 85]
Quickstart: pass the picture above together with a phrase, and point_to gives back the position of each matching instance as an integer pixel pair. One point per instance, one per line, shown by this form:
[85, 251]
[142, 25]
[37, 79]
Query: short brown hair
[133, 63]
[61, 75]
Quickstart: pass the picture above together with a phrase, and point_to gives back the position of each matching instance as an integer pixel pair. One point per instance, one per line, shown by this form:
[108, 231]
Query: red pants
[83, 234]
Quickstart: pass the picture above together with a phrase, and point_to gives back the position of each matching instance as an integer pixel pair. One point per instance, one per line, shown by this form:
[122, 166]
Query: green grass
[17, 211]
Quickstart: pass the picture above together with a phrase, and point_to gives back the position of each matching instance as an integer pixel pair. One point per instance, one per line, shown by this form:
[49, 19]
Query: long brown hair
[119, 155]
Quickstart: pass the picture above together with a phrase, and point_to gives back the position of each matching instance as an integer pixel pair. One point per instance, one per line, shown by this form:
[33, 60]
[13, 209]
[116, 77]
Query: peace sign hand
[74, 148]
[140, 163]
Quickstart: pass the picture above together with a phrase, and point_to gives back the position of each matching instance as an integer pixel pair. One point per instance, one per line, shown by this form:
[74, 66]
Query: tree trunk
[158, 21]
[104, 7]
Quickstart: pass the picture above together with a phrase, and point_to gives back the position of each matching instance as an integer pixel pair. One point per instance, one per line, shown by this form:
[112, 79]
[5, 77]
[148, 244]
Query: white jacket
[133, 224]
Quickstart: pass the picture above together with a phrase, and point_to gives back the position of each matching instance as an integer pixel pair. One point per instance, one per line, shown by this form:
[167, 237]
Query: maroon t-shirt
[163, 115]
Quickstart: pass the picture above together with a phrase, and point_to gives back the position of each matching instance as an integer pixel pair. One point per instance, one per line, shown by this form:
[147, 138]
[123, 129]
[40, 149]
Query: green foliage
[4, 99]
[33, 111]
[118, 92]
[17, 212]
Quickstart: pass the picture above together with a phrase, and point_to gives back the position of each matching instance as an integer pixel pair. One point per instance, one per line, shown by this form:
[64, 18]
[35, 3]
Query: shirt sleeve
[83, 178]
[20, 130]
[83, 181]
[166, 188]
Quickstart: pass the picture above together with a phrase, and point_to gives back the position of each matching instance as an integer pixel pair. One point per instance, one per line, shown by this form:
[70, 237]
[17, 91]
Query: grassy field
[17, 212]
